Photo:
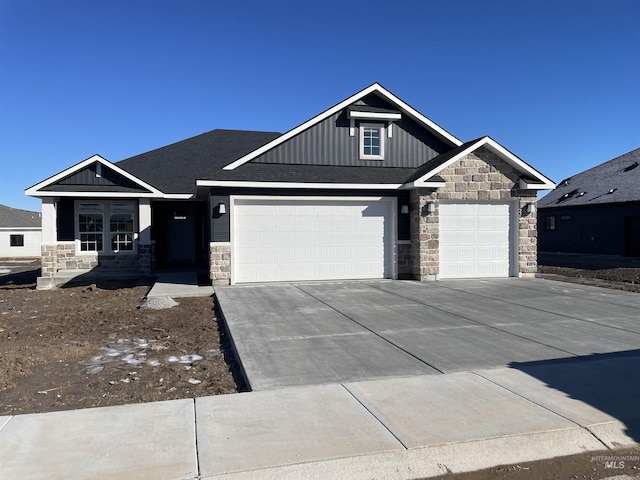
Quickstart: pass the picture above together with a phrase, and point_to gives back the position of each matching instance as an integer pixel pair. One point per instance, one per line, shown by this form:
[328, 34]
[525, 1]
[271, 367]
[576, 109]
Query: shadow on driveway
[590, 391]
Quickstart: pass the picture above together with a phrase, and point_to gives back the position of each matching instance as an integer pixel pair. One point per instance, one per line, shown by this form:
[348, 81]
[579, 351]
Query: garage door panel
[307, 240]
[475, 240]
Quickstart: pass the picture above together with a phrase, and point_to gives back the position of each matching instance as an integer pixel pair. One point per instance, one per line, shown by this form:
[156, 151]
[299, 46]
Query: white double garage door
[294, 239]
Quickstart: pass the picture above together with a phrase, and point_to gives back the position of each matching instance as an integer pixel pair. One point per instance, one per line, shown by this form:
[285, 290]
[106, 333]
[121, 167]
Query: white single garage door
[299, 239]
[475, 239]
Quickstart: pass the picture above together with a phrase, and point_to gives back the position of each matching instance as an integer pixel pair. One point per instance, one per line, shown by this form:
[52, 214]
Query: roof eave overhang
[299, 185]
[36, 190]
[375, 88]
[422, 184]
[7, 229]
[541, 182]
[168, 196]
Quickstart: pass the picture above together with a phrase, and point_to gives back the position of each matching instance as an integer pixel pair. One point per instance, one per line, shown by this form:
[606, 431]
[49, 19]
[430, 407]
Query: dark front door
[181, 238]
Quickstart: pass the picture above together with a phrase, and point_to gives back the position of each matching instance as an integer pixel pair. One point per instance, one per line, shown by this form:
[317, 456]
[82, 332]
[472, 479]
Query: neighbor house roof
[14, 217]
[615, 181]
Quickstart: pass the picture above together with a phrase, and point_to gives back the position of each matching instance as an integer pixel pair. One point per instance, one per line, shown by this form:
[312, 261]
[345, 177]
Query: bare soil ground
[89, 346]
[627, 279]
[623, 464]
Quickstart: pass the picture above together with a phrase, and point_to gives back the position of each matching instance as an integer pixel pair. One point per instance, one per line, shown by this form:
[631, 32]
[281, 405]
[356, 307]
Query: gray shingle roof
[174, 168]
[274, 172]
[14, 217]
[615, 181]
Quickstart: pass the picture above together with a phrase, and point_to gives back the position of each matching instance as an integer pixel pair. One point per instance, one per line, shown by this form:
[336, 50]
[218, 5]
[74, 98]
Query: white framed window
[106, 227]
[372, 141]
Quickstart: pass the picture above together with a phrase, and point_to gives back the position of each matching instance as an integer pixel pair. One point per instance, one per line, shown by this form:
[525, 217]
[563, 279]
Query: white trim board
[505, 154]
[377, 88]
[34, 190]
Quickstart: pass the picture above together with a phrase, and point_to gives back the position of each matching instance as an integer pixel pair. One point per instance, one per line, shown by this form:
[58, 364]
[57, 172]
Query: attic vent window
[611, 191]
[631, 167]
[371, 141]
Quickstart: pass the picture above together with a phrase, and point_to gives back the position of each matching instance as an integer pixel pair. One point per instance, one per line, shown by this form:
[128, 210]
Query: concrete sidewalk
[396, 428]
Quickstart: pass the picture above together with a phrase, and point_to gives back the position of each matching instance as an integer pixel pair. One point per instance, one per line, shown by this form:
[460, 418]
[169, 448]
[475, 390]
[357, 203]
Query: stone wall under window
[63, 256]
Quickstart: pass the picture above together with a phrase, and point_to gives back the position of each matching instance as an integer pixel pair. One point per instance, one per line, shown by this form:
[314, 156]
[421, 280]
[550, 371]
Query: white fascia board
[300, 185]
[34, 190]
[375, 115]
[520, 165]
[504, 153]
[19, 229]
[418, 116]
[422, 184]
[176, 196]
[376, 87]
[431, 173]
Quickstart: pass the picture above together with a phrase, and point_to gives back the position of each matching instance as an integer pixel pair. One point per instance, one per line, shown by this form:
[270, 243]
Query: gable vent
[631, 167]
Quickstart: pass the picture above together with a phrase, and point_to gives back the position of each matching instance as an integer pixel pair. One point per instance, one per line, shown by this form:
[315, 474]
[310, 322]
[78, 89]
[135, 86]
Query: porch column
[144, 221]
[49, 220]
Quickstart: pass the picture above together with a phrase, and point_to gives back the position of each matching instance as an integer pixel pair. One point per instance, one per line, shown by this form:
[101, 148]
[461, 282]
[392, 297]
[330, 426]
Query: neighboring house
[369, 188]
[596, 211]
[20, 233]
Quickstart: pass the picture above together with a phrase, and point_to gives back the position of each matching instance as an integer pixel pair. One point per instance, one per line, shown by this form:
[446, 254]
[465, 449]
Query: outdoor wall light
[404, 209]
[431, 207]
[530, 208]
[222, 208]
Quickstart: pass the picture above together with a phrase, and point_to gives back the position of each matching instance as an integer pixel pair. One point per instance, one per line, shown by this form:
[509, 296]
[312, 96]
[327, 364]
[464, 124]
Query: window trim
[106, 211]
[16, 236]
[382, 127]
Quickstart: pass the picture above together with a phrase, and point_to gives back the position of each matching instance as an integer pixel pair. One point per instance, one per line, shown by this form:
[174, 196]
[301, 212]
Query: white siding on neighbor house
[31, 248]
[476, 239]
[311, 239]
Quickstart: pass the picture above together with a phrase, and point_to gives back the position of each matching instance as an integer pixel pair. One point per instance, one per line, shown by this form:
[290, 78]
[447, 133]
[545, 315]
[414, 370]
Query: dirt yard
[89, 346]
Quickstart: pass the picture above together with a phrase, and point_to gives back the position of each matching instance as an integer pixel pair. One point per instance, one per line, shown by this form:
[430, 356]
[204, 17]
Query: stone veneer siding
[63, 256]
[479, 176]
[220, 263]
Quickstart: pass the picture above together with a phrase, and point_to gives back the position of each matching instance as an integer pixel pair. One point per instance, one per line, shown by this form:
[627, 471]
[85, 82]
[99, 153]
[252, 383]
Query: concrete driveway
[334, 332]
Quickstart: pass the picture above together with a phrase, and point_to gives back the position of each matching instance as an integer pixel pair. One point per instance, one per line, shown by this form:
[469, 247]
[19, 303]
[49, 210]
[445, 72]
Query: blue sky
[556, 82]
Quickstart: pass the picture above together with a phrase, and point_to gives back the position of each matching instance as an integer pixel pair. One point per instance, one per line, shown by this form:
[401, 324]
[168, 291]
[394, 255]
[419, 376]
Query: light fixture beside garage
[404, 209]
[431, 207]
[222, 208]
[529, 209]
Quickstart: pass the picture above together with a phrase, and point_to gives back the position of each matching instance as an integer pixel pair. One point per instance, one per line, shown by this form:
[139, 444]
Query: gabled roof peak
[373, 88]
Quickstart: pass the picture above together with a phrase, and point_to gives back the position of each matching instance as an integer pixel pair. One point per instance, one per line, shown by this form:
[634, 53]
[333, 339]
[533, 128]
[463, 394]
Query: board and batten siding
[89, 177]
[329, 143]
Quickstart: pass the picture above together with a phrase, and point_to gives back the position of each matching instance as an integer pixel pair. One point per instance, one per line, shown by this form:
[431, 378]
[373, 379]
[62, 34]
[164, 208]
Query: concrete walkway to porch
[178, 283]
